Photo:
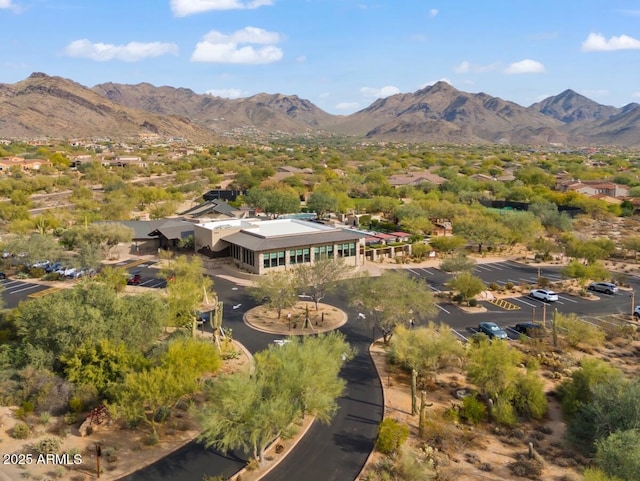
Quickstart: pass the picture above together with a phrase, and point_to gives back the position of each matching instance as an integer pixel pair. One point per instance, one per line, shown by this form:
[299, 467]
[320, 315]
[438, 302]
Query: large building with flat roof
[262, 246]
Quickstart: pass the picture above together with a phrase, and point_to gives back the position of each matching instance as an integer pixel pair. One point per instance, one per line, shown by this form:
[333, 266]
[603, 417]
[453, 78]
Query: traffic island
[301, 319]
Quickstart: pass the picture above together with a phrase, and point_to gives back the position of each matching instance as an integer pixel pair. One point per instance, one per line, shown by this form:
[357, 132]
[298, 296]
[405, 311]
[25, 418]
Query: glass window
[299, 257]
[292, 257]
[307, 254]
[281, 258]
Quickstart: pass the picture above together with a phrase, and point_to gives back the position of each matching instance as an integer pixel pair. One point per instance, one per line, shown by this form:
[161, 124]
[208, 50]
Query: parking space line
[517, 299]
[433, 288]
[442, 308]
[460, 335]
[29, 287]
[414, 272]
[427, 271]
[567, 299]
[480, 266]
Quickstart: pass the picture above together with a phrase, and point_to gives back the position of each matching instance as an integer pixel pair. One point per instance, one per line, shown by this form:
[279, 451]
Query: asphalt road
[336, 451]
[339, 450]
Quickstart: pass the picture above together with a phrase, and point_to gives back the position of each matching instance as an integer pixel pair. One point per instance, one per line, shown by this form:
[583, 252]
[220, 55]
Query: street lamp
[544, 315]
[633, 302]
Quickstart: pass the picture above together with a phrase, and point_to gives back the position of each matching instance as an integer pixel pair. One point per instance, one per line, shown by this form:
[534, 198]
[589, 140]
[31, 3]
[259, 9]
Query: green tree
[467, 285]
[447, 244]
[457, 264]
[390, 300]
[550, 217]
[578, 270]
[321, 278]
[591, 250]
[481, 230]
[187, 288]
[579, 332]
[578, 390]
[278, 288]
[56, 325]
[100, 364]
[492, 366]
[275, 201]
[426, 349]
[249, 411]
[321, 202]
[36, 247]
[619, 454]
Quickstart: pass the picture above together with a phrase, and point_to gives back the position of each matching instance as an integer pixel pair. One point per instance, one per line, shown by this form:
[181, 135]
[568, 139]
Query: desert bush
[529, 398]
[530, 468]
[391, 435]
[473, 410]
[20, 431]
[580, 333]
[504, 412]
[596, 474]
[619, 454]
[508, 286]
[473, 302]
[47, 446]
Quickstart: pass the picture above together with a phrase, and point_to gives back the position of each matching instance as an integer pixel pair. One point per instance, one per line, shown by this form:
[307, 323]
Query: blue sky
[339, 54]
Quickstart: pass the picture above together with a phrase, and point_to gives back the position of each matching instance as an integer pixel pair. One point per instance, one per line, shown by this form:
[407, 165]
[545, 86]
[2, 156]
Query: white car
[544, 295]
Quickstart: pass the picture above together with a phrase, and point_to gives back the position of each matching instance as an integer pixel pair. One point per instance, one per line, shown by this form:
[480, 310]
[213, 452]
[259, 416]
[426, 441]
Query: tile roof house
[415, 178]
[7, 163]
[594, 187]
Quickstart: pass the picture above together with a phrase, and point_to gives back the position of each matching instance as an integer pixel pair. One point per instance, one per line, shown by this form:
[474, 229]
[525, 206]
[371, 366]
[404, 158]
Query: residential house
[415, 178]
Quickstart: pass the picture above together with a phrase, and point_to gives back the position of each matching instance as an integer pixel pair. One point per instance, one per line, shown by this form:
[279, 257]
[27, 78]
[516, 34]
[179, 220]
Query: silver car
[606, 287]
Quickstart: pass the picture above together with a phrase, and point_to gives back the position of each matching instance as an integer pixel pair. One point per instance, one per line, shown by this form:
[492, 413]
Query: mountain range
[55, 107]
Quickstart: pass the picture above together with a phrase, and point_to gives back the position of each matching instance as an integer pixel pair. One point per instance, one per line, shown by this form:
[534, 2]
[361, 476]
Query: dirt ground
[292, 321]
[123, 450]
[485, 452]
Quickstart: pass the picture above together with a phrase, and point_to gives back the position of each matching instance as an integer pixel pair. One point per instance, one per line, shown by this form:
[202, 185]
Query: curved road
[336, 451]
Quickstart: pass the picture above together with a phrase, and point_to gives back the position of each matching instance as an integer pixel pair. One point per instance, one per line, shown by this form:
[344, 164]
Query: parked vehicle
[134, 279]
[3, 275]
[492, 330]
[530, 329]
[606, 287]
[636, 312]
[544, 295]
[53, 267]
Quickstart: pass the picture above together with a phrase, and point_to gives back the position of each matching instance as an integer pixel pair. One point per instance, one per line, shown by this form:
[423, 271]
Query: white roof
[280, 227]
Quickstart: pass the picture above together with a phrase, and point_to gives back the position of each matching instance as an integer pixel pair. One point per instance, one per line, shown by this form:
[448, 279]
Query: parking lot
[516, 309]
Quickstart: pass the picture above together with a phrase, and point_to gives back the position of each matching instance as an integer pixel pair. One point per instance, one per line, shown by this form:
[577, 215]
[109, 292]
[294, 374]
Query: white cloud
[228, 93]
[220, 48]
[350, 106]
[380, 93]
[525, 66]
[596, 42]
[467, 67]
[182, 8]
[9, 5]
[131, 52]
[433, 82]
[433, 12]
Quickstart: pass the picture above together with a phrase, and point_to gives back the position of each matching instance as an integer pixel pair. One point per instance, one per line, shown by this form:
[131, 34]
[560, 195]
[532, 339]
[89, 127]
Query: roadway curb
[367, 463]
[307, 423]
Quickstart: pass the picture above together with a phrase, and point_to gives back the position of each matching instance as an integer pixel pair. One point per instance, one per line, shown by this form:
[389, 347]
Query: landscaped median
[301, 319]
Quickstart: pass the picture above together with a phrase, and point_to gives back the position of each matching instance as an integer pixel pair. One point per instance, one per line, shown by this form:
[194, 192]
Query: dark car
[3, 275]
[530, 329]
[134, 279]
[492, 330]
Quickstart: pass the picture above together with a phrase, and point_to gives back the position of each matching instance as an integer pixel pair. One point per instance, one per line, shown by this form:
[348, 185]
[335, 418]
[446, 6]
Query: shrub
[20, 431]
[47, 446]
[391, 435]
[508, 286]
[529, 398]
[529, 468]
[504, 412]
[473, 302]
[618, 454]
[458, 298]
[473, 410]
[162, 414]
[44, 417]
[494, 286]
